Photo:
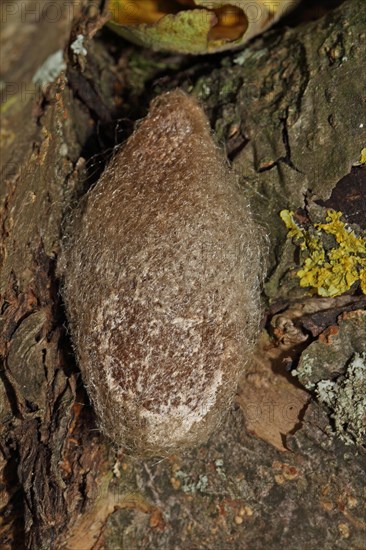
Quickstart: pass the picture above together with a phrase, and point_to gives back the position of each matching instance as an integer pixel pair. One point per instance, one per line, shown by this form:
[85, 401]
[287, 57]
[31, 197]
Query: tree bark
[290, 111]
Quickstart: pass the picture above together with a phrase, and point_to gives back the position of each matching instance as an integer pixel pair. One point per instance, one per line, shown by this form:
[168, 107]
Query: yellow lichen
[332, 270]
[294, 231]
[363, 156]
[363, 280]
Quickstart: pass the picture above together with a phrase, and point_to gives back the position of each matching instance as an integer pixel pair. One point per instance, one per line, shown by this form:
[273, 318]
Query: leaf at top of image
[194, 26]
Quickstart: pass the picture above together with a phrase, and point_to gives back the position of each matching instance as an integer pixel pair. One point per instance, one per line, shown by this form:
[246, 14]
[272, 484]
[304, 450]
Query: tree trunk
[290, 111]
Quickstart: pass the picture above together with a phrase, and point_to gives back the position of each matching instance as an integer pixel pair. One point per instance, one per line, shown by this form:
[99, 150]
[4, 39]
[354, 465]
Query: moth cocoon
[161, 283]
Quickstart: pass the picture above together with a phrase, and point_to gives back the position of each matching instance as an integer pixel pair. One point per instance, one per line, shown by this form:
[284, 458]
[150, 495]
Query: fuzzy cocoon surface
[161, 285]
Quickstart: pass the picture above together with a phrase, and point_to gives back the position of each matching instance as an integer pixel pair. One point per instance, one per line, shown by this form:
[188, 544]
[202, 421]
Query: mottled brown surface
[161, 283]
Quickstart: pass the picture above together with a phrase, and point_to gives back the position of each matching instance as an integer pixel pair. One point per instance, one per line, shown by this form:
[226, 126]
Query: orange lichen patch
[232, 510]
[343, 529]
[359, 313]
[290, 472]
[326, 337]
[327, 505]
[334, 497]
[157, 520]
[176, 483]
[286, 471]
[352, 502]
[235, 509]
[343, 507]
[271, 403]
[279, 479]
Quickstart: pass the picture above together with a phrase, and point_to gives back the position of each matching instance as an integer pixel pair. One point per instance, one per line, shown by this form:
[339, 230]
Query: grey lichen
[219, 463]
[346, 397]
[50, 69]
[327, 357]
[190, 485]
[78, 45]
[305, 372]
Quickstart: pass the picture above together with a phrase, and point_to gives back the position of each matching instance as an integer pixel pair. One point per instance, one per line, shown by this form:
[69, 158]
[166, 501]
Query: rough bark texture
[290, 110]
